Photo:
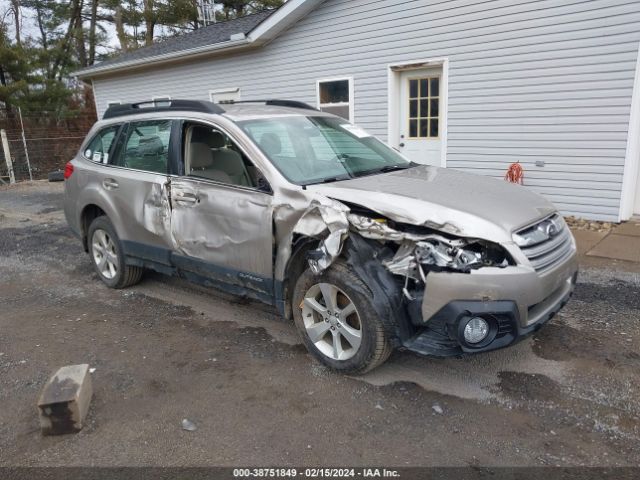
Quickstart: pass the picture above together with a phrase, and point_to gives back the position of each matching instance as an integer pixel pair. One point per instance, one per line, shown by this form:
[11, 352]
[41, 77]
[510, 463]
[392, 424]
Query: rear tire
[337, 322]
[57, 176]
[108, 257]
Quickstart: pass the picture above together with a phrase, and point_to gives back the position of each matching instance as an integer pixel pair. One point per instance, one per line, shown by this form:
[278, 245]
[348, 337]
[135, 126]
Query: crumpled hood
[448, 200]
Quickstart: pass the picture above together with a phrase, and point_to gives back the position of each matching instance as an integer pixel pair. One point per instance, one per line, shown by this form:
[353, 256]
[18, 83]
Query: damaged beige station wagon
[363, 249]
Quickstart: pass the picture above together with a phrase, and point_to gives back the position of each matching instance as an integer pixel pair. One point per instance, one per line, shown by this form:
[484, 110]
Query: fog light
[476, 330]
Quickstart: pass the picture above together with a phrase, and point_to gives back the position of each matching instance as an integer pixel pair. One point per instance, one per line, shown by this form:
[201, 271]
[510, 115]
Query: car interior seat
[200, 156]
[227, 160]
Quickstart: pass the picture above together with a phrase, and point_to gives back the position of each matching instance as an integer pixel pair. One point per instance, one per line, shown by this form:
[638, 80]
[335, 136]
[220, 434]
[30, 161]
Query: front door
[420, 114]
[221, 217]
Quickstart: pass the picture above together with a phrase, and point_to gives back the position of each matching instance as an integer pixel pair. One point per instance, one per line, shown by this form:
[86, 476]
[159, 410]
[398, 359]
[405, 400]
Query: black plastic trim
[442, 335]
[153, 106]
[275, 103]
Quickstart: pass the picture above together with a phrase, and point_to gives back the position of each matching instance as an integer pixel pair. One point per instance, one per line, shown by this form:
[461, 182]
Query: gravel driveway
[166, 350]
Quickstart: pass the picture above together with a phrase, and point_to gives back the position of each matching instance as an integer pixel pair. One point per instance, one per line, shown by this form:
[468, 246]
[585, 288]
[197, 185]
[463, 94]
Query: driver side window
[213, 155]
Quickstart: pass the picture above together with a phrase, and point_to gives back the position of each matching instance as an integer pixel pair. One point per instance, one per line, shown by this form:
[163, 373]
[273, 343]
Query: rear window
[99, 148]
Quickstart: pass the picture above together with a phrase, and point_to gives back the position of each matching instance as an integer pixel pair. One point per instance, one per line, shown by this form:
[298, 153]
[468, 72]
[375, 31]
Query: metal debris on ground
[188, 425]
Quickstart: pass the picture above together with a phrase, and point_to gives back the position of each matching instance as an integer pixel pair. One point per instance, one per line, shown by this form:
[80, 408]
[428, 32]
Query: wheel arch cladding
[89, 214]
[296, 264]
[385, 289]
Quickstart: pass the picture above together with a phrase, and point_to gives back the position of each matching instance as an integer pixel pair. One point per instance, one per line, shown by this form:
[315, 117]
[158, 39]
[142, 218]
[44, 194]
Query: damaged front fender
[328, 220]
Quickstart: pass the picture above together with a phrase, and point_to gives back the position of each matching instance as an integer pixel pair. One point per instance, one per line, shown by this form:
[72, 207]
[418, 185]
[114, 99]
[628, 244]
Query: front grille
[552, 249]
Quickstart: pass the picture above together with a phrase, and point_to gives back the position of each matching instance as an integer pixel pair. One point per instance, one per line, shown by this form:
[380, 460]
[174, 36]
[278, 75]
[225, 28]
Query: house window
[424, 107]
[336, 96]
[225, 95]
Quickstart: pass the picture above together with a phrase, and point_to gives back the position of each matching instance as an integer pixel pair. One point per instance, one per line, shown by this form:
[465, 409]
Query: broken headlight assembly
[421, 250]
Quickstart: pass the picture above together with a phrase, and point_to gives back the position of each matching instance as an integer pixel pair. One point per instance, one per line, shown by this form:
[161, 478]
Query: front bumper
[516, 301]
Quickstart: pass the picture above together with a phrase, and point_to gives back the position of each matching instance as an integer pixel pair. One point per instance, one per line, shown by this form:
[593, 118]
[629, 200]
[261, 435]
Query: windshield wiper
[392, 168]
[385, 169]
[330, 180]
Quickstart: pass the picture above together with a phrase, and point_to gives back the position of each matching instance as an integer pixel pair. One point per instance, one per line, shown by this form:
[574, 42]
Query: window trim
[350, 103]
[217, 91]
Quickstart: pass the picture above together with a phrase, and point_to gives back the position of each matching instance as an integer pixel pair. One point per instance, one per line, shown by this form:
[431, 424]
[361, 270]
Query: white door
[420, 114]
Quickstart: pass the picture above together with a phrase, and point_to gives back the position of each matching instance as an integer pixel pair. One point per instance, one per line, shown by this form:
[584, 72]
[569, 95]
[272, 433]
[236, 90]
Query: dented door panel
[142, 202]
[221, 228]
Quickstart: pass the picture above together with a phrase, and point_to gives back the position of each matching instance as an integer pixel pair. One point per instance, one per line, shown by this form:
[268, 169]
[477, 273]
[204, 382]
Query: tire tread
[382, 348]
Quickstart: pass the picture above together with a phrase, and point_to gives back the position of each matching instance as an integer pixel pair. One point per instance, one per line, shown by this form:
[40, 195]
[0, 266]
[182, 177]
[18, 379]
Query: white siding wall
[547, 80]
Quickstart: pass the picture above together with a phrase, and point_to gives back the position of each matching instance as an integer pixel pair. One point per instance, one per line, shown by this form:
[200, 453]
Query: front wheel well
[88, 215]
[296, 264]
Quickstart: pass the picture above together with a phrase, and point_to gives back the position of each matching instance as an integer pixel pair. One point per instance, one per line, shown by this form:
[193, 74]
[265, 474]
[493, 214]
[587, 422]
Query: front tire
[107, 255]
[337, 322]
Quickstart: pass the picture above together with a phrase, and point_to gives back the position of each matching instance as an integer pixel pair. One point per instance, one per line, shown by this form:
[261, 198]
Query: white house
[468, 84]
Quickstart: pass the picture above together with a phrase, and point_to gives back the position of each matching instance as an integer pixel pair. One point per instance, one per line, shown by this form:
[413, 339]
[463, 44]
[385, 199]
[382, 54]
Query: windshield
[310, 150]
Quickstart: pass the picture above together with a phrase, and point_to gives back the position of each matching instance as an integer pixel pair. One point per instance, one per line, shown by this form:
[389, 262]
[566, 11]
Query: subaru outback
[364, 250]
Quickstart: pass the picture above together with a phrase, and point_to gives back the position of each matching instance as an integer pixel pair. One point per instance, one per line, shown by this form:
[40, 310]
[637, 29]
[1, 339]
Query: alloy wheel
[104, 253]
[332, 321]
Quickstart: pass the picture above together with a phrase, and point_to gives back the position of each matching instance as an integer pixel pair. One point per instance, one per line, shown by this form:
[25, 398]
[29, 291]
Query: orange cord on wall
[515, 173]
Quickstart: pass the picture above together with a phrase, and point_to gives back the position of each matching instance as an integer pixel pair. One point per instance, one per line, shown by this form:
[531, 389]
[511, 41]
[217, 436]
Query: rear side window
[146, 146]
[100, 145]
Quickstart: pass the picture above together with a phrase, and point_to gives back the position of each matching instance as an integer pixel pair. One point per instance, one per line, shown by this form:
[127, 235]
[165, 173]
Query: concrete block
[64, 401]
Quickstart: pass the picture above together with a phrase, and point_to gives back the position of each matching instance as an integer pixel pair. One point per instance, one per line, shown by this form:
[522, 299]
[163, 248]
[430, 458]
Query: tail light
[68, 170]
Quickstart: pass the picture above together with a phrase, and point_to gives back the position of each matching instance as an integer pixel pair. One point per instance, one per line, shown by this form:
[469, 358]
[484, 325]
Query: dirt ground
[166, 350]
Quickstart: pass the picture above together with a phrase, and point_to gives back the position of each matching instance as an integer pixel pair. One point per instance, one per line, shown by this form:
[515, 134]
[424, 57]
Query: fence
[41, 143]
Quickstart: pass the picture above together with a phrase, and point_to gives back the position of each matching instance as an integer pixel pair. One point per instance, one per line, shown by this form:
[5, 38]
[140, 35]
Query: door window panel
[100, 145]
[424, 107]
[146, 146]
[212, 154]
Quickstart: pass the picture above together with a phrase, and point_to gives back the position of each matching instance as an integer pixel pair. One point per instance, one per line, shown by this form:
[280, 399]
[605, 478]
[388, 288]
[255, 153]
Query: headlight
[447, 255]
[417, 249]
[459, 254]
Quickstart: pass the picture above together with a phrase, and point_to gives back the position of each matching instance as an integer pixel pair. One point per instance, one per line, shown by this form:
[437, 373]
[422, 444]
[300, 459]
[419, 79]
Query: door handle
[109, 184]
[187, 198]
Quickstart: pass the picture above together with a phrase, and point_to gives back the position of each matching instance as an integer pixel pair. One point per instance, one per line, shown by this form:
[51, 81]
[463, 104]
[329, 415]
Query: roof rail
[161, 105]
[274, 103]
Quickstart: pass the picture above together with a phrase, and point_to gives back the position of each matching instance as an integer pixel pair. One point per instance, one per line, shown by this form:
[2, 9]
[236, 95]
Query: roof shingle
[209, 35]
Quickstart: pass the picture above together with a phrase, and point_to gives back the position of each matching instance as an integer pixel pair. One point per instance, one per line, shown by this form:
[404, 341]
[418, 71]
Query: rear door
[221, 217]
[137, 187]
